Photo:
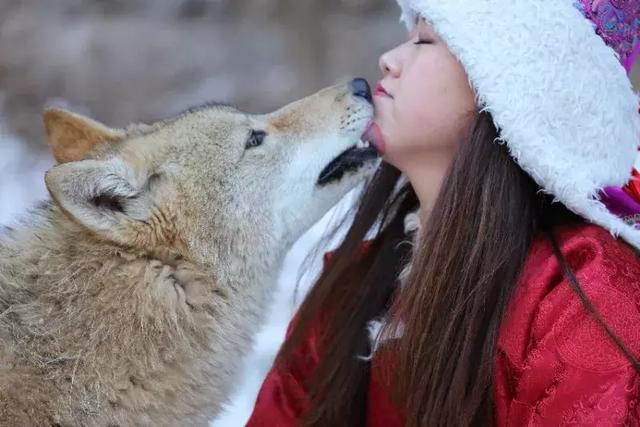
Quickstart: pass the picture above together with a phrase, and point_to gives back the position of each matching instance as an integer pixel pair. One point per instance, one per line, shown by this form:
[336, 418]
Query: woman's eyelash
[423, 42]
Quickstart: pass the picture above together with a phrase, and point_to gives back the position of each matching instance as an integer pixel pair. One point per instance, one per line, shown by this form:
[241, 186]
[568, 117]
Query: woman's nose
[389, 64]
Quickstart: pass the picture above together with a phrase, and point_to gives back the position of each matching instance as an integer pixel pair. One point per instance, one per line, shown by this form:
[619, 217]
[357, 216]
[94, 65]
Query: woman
[516, 128]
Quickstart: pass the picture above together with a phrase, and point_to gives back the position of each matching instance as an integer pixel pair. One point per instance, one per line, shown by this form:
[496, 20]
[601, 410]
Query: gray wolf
[131, 295]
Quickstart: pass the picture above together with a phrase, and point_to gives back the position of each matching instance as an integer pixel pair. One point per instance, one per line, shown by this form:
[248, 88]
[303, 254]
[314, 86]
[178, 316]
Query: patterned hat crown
[618, 23]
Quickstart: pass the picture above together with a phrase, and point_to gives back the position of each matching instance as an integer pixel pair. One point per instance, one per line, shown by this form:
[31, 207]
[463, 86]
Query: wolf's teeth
[361, 144]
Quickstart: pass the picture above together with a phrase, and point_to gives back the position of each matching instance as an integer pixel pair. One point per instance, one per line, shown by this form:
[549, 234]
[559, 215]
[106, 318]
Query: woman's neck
[426, 177]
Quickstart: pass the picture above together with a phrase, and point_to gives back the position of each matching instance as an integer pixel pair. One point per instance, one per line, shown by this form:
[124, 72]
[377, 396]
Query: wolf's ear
[107, 196]
[72, 136]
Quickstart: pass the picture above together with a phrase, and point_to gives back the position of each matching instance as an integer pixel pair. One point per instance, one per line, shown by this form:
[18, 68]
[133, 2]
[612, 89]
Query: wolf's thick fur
[131, 297]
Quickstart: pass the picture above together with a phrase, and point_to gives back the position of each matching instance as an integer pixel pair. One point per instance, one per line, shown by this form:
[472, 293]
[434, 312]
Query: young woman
[511, 297]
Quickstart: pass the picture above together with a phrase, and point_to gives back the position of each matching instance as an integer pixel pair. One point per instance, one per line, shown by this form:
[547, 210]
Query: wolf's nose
[361, 89]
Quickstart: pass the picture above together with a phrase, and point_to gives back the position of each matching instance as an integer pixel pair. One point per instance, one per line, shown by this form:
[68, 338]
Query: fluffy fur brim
[557, 93]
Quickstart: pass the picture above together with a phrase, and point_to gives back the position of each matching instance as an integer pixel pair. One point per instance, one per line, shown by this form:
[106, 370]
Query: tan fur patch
[72, 136]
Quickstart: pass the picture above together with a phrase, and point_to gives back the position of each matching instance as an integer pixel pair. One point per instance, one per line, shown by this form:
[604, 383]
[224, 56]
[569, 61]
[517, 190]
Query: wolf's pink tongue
[373, 134]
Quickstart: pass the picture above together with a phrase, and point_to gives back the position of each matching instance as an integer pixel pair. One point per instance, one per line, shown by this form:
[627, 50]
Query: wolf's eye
[255, 139]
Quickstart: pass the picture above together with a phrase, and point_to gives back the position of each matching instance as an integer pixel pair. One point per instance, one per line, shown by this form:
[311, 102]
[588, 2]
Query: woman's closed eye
[423, 41]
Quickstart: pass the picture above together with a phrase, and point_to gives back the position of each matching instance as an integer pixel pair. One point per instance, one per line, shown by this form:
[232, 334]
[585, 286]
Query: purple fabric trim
[622, 205]
[632, 58]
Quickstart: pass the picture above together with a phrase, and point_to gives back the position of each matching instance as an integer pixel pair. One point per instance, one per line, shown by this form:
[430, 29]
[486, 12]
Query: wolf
[130, 297]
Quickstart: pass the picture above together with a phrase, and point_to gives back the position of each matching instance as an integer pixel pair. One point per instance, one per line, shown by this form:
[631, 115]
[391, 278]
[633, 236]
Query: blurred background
[122, 61]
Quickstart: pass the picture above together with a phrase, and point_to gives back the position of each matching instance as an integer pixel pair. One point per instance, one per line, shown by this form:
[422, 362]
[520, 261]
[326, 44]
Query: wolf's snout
[360, 88]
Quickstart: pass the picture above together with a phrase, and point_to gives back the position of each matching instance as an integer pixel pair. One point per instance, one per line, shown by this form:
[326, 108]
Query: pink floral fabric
[618, 23]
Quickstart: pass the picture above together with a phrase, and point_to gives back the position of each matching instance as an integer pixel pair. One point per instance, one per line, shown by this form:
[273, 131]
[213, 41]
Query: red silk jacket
[554, 365]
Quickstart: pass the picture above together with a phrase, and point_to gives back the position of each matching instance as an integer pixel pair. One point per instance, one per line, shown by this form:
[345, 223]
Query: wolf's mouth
[350, 160]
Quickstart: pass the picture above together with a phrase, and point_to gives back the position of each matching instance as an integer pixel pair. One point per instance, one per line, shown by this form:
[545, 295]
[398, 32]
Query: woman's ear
[108, 197]
[72, 136]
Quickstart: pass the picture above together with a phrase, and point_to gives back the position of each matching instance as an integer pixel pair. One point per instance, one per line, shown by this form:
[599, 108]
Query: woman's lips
[381, 91]
[373, 134]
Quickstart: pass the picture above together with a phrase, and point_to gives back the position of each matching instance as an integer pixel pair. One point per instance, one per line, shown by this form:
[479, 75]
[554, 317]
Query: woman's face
[424, 104]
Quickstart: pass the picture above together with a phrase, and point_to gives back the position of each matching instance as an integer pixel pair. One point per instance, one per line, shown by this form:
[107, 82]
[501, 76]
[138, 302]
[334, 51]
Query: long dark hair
[464, 268]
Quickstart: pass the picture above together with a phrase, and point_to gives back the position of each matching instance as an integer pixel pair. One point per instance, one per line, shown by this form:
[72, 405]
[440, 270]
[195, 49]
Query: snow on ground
[22, 186]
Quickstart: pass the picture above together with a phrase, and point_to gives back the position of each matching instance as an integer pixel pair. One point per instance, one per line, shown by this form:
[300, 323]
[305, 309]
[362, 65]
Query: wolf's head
[213, 180]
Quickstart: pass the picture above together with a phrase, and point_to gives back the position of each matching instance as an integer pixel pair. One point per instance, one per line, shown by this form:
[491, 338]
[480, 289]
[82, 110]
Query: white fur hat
[557, 92]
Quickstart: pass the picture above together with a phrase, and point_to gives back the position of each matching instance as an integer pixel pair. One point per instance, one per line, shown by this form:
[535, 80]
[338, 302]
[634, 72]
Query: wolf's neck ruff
[106, 325]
